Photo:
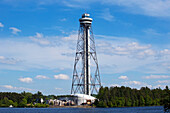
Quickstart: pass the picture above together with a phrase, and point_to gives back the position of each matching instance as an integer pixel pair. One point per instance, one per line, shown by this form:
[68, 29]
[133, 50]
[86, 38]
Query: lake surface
[154, 109]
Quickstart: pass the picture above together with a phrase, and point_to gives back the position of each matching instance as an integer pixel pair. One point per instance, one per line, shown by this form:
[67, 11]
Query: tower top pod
[86, 19]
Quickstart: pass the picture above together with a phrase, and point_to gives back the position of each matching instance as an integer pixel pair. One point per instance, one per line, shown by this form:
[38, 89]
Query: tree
[7, 102]
[15, 104]
[120, 101]
[148, 100]
[128, 102]
[23, 103]
[102, 104]
[101, 94]
[114, 102]
[141, 101]
[110, 104]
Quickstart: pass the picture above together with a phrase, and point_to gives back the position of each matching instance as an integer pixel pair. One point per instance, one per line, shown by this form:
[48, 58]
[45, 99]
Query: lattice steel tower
[86, 78]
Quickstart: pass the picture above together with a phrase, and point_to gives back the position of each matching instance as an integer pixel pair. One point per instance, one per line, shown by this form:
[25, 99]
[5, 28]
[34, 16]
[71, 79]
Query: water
[154, 109]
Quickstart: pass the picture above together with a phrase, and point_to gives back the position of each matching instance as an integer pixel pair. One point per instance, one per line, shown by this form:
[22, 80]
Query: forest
[24, 99]
[127, 97]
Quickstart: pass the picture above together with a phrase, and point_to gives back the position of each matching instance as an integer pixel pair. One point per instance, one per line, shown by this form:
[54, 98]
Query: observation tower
[86, 78]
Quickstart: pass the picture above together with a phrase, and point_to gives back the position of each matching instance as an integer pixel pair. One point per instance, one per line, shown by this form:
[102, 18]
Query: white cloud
[15, 30]
[72, 37]
[136, 84]
[164, 81]
[160, 86]
[73, 4]
[107, 15]
[2, 57]
[41, 77]
[58, 88]
[16, 88]
[39, 38]
[123, 77]
[145, 53]
[136, 46]
[114, 85]
[61, 76]
[129, 55]
[151, 31]
[133, 83]
[34, 55]
[8, 86]
[165, 52]
[1, 25]
[39, 35]
[26, 80]
[160, 8]
[157, 77]
[125, 53]
[63, 19]
[132, 49]
[5, 60]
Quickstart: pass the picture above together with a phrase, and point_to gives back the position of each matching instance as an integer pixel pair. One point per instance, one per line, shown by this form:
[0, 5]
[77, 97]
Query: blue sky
[38, 43]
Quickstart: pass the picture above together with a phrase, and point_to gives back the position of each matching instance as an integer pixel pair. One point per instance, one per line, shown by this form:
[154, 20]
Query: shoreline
[81, 106]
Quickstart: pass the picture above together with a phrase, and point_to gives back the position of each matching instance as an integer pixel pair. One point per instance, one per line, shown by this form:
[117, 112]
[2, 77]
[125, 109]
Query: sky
[38, 43]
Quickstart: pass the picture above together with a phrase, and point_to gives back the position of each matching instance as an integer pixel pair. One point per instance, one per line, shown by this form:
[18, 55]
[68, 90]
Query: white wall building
[83, 99]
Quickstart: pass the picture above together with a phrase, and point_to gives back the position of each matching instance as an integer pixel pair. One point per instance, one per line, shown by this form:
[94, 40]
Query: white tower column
[88, 60]
[87, 81]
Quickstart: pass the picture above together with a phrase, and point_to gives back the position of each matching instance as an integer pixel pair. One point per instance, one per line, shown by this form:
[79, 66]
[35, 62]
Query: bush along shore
[127, 97]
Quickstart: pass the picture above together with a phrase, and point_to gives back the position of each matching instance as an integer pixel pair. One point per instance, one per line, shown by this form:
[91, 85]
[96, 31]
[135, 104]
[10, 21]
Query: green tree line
[107, 97]
[24, 99]
[127, 97]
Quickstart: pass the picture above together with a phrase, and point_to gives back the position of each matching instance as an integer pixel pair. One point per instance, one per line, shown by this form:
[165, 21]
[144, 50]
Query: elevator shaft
[87, 60]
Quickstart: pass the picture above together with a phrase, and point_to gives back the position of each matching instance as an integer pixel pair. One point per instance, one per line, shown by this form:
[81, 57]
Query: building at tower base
[78, 99]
